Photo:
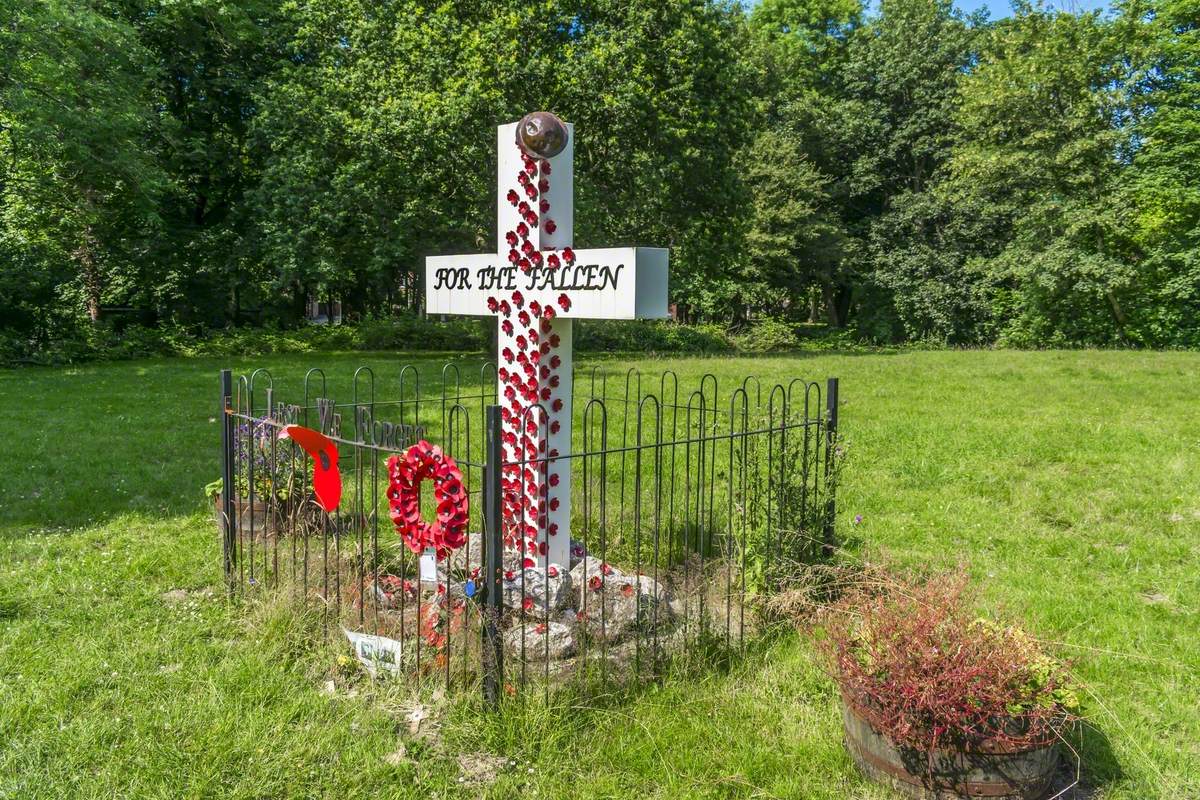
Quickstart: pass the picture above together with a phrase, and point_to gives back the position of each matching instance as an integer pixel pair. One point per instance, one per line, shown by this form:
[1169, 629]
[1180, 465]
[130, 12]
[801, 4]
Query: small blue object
[470, 588]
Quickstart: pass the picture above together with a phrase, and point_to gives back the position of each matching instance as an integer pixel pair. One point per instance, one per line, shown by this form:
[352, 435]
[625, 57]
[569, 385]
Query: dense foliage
[904, 172]
[915, 661]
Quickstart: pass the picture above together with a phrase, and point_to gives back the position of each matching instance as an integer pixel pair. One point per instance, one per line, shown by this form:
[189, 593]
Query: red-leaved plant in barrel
[924, 670]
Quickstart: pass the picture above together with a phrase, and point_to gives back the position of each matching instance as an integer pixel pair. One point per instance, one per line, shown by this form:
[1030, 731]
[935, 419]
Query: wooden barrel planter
[996, 773]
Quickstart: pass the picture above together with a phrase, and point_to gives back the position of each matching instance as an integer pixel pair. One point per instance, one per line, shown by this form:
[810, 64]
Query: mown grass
[1067, 483]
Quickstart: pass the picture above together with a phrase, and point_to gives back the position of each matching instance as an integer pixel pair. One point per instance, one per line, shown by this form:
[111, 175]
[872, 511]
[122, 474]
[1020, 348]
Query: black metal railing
[685, 507]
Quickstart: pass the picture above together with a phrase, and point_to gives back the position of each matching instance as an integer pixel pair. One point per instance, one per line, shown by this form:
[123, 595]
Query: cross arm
[604, 283]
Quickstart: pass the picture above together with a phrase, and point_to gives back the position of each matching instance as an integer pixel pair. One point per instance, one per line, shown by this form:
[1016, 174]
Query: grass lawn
[1068, 484]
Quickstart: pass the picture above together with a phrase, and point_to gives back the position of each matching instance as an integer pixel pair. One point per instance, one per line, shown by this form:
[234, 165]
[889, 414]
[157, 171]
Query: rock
[583, 573]
[471, 557]
[537, 590]
[613, 606]
[555, 639]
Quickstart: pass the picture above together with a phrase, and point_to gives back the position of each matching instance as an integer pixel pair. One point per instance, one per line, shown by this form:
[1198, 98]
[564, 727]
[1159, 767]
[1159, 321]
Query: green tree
[210, 57]
[380, 151]
[1164, 179]
[902, 81]
[798, 168]
[795, 241]
[79, 183]
[1040, 157]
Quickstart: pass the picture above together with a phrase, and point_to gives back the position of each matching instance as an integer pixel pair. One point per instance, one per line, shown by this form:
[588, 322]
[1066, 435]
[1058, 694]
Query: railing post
[229, 540]
[831, 426]
[493, 649]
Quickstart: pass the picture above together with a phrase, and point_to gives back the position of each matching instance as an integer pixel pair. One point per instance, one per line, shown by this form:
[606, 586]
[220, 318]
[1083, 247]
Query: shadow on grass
[1087, 766]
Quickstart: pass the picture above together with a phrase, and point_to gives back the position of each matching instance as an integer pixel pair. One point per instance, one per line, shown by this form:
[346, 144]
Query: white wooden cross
[537, 285]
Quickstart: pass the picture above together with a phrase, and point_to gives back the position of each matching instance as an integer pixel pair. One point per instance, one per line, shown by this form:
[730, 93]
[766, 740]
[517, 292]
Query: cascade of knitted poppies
[530, 369]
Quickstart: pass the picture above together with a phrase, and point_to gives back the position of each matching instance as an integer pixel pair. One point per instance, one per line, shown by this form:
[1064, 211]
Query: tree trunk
[836, 300]
[829, 300]
[90, 272]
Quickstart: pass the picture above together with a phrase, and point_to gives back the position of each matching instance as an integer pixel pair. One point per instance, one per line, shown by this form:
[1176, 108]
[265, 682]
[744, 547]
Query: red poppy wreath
[405, 473]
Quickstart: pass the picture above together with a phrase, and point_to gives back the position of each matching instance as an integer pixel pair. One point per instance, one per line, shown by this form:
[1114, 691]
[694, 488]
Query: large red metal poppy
[327, 480]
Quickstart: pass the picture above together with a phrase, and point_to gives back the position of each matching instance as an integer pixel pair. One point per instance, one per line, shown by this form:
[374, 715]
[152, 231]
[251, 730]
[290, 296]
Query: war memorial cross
[536, 285]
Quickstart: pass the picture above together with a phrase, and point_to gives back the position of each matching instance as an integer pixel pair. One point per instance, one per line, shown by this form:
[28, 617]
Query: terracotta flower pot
[998, 772]
[258, 518]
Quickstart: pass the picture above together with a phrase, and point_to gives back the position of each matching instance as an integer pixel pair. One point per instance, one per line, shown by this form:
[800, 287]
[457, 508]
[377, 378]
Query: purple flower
[857, 519]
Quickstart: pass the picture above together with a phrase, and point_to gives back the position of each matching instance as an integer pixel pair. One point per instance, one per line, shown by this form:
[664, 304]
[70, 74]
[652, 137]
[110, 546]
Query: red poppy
[522, 230]
[556, 405]
[564, 302]
[548, 312]
[553, 479]
[552, 261]
[544, 206]
[523, 318]
[533, 336]
[507, 327]
[595, 583]
[513, 256]
[511, 238]
[536, 258]
[505, 308]
[544, 348]
[544, 185]
[530, 191]
[550, 226]
[523, 208]
[568, 255]
[524, 264]
[531, 167]
[507, 354]
[555, 340]
[546, 393]
[554, 426]
[523, 178]
[627, 590]
[513, 197]
[554, 381]
[492, 304]
[531, 218]
[555, 361]
[546, 326]
[521, 343]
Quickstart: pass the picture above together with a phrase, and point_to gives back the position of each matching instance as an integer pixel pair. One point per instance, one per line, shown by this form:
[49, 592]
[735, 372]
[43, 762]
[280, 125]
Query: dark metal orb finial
[541, 134]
